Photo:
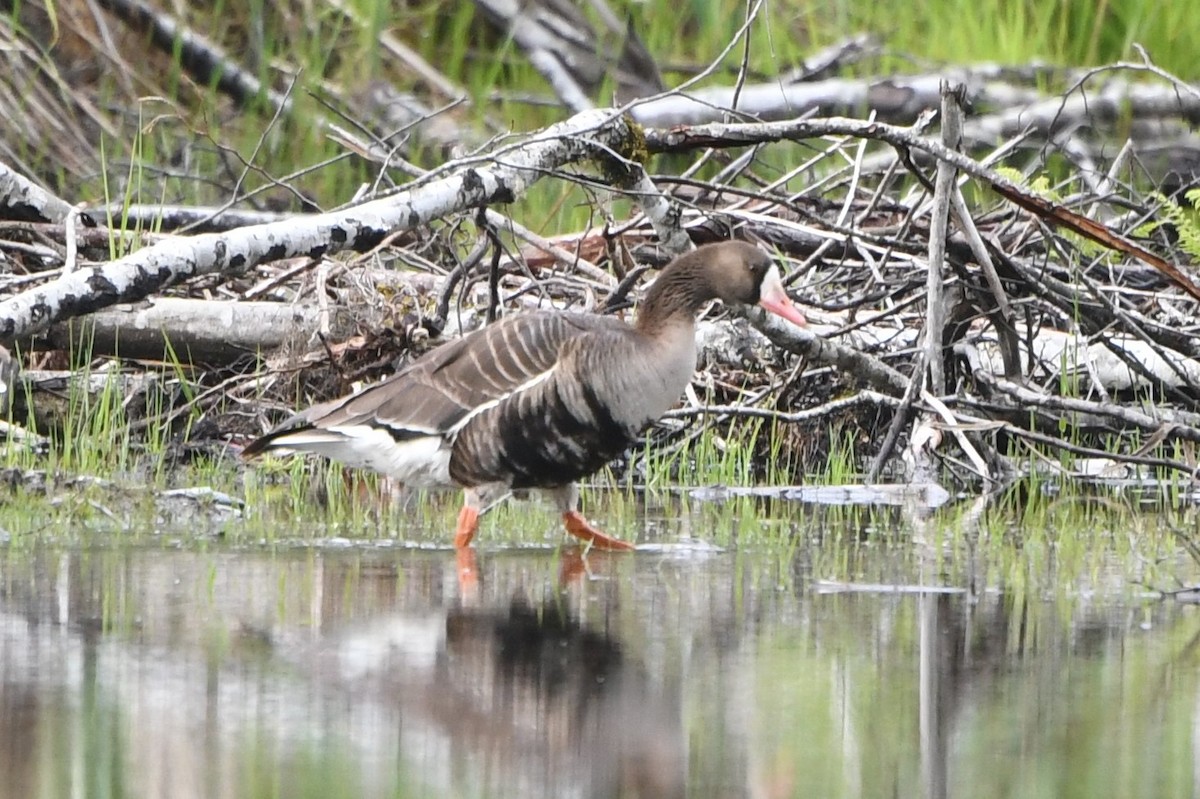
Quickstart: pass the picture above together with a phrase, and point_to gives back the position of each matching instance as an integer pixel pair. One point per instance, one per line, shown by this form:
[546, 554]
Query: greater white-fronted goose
[536, 400]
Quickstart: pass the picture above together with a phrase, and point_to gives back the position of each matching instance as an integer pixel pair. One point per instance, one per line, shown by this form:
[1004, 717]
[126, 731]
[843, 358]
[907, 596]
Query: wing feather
[441, 391]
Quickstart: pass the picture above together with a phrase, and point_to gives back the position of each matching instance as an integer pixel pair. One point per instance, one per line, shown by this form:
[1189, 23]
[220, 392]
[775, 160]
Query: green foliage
[92, 436]
[1039, 185]
[841, 465]
[1017, 31]
[343, 50]
[1186, 221]
[732, 452]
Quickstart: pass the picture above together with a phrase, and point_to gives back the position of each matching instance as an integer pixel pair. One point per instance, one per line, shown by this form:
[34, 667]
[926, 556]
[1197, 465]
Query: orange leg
[464, 555]
[571, 566]
[468, 524]
[468, 573]
[579, 527]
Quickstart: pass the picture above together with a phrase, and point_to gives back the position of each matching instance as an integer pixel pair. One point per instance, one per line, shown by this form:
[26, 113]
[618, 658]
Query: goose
[536, 400]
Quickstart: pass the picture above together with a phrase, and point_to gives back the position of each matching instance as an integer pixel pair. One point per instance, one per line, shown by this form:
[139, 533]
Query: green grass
[331, 55]
[296, 500]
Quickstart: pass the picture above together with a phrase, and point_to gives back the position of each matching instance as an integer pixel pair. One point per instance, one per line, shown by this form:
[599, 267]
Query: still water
[866, 659]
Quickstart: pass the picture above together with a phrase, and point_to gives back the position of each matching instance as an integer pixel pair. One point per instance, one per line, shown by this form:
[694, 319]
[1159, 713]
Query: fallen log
[502, 179]
[194, 331]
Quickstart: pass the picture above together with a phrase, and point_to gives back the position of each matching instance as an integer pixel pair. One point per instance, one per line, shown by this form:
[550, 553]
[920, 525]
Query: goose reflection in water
[562, 698]
[524, 699]
[340, 676]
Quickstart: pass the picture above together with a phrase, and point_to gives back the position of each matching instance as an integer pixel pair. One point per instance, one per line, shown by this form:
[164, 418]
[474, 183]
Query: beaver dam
[1047, 327]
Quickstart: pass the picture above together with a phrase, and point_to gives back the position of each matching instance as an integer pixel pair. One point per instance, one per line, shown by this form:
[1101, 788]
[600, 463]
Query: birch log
[501, 179]
[214, 332]
[23, 200]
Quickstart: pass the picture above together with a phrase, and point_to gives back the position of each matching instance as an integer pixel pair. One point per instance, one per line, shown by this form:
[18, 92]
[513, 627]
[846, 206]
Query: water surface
[864, 657]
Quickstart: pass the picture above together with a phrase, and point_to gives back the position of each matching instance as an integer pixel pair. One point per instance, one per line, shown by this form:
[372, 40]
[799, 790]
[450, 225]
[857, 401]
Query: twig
[935, 312]
[1003, 321]
[899, 421]
[494, 267]
[952, 424]
[828, 353]
[862, 397]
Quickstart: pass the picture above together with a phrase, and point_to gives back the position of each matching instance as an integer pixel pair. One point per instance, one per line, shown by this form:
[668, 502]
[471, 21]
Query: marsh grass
[732, 452]
[1039, 536]
[328, 56]
[93, 438]
[95, 433]
[298, 500]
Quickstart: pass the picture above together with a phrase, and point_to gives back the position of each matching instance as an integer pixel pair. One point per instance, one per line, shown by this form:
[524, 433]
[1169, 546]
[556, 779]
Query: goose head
[734, 272]
[742, 274]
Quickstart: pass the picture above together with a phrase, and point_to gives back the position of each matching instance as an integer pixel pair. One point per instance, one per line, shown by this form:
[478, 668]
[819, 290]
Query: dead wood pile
[988, 291]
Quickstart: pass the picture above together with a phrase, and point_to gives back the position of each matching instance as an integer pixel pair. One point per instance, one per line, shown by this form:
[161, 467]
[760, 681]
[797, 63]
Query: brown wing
[440, 391]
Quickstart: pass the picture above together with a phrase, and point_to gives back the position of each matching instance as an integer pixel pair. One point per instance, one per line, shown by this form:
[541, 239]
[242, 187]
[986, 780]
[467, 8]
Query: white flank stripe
[400, 427]
[478, 409]
[419, 462]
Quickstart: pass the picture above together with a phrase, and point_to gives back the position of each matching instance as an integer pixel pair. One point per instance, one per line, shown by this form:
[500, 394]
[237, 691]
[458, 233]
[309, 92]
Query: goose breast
[605, 387]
